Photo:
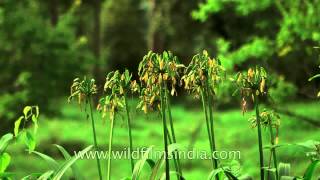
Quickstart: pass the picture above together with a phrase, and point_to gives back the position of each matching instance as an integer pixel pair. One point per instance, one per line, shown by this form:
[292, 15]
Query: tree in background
[270, 32]
[124, 28]
[37, 60]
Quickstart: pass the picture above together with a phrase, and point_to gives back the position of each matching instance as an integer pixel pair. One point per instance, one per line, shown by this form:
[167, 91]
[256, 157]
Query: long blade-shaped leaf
[140, 164]
[65, 166]
[310, 170]
[46, 175]
[284, 169]
[160, 162]
[215, 173]
[31, 176]
[51, 162]
[4, 142]
[163, 177]
[5, 159]
[67, 156]
[7, 175]
[288, 178]
[314, 77]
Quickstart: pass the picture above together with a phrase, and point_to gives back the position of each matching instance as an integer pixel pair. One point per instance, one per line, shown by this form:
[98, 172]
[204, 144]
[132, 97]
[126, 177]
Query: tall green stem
[95, 138]
[129, 131]
[211, 125]
[165, 132]
[273, 150]
[259, 138]
[207, 123]
[110, 147]
[175, 162]
[176, 156]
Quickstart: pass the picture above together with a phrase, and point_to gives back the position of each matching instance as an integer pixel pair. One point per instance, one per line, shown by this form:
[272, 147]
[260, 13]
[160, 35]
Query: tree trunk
[96, 42]
[54, 14]
[155, 36]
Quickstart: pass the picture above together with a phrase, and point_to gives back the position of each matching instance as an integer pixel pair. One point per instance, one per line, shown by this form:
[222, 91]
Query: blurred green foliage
[37, 59]
[282, 91]
[269, 32]
[45, 44]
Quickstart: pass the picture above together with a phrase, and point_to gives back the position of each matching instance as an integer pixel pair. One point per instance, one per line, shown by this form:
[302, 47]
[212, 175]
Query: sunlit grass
[233, 133]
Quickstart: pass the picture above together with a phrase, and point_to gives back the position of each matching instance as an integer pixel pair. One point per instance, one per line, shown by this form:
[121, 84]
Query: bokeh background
[44, 45]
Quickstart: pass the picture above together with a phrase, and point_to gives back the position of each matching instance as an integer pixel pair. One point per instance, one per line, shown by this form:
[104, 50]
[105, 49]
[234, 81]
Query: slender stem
[165, 132]
[129, 131]
[176, 156]
[175, 162]
[269, 165]
[207, 123]
[95, 139]
[259, 138]
[211, 125]
[110, 147]
[273, 150]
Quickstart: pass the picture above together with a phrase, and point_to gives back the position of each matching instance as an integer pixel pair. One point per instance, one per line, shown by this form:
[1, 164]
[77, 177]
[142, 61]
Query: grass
[231, 128]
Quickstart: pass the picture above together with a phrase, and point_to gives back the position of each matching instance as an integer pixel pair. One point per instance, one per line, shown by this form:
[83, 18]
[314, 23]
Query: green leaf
[309, 145]
[287, 178]
[31, 176]
[270, 173]
[37, 111]
[5, 159]
[310, 170]
[26, 110]
[284, 169]
[65, 166]
[160, 162]
[4, 142]
[17, 125]
[230, 175]
[67, 156]
[126, 178]
[53, 164]
[163, 177]
[35, 122]
[29, 141]
[276, 146]
[215, 173]
[7, 175]
[140, 164]
[314, 77]
[46, 175]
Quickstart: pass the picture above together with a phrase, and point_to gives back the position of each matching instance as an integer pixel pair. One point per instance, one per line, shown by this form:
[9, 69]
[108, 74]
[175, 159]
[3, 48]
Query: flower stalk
[129, 131]
[202, 77]
[273, 150]
[259, 139]
[175, 154]
[83, 91]
[110, 148]
[252, 85]
[165, 133]
[116, 88]
[157, 72]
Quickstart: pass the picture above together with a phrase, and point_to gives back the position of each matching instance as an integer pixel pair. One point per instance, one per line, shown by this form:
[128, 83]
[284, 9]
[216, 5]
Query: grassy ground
[233, 132]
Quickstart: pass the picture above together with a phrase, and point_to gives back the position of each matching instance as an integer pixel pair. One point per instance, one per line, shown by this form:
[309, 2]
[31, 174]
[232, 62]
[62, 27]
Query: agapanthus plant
[116, 88]
[201, 79]
[271, 121]
[159, 74]
[253, 85]
[83, 90]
